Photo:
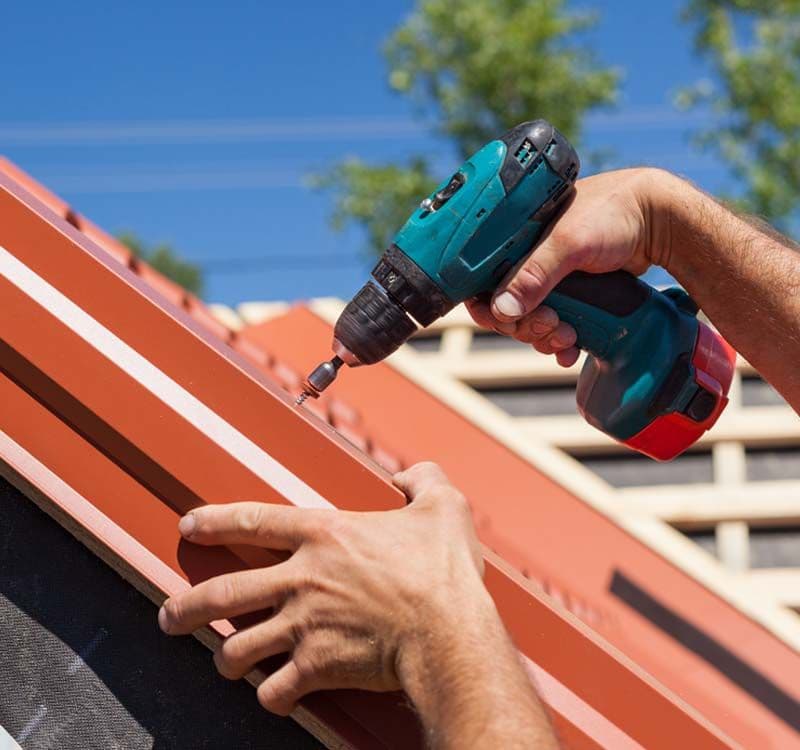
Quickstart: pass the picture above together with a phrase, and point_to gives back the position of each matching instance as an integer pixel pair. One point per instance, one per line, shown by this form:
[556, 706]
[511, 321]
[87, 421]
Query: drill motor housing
[655, 379]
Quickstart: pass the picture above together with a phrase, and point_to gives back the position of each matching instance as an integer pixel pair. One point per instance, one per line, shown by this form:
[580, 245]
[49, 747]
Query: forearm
[469, 687]
[744, 277]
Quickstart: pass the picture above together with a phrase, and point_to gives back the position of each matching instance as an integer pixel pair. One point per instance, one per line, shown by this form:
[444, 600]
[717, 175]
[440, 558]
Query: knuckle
[311, 658]
[174, 609]
[251, 519]
[450, 501]
[567, 337]
[319, 522]
[457, 501]
[332, 528]
[544, 317]
[233, 649]
[438, 496]
[304, 581]
[272, 700]
[576, 242]
[297, 632]
[424, 467]
[433, 473]
[228, 659]
[531, 276]
[530, 335]
[222, 592]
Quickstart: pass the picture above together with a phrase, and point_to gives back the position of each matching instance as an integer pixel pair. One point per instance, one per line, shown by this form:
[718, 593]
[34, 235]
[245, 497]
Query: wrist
[449, 672]
[446, 637]
[677, 214]
[657, 192]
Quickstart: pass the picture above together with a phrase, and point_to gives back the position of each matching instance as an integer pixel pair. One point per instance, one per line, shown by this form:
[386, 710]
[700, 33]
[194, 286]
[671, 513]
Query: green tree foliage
[474, 68]
[754, 48]
[165, 260]
[378, 198]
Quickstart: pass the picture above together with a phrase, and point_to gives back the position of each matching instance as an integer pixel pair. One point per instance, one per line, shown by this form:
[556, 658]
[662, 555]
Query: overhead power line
[208, 131]
[234, 178]
[274, 129]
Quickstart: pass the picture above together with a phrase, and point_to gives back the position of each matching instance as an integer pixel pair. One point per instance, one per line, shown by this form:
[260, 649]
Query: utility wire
[278, 129]
[221, 266]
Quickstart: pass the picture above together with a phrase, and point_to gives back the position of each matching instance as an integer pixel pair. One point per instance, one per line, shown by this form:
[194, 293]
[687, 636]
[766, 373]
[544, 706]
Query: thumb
[526, 286]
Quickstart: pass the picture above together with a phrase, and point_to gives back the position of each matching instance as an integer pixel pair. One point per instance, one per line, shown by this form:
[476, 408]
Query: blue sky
[198, 123]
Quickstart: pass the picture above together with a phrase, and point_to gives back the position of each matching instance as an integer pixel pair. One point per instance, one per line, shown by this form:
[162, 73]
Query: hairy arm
[744, 276]
[376, 601]
[469, 688]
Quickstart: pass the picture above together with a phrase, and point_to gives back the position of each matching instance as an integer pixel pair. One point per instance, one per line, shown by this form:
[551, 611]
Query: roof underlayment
[128, 403]
[83, 664]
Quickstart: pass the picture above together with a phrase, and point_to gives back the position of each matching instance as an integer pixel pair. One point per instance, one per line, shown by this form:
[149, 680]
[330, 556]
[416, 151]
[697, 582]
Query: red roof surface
[577, 554]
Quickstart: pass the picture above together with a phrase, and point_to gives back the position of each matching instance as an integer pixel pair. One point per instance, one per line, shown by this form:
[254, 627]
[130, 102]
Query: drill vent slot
[559, 192]
[524, 152]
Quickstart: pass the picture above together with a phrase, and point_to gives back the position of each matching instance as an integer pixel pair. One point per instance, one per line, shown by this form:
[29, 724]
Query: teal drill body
[647, 376]
[468, 244]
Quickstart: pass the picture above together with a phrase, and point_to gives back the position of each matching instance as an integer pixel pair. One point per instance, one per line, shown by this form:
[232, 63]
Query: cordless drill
[655, 379]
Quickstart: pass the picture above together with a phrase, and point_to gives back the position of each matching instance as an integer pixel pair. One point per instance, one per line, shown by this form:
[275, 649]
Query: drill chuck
[371, 327]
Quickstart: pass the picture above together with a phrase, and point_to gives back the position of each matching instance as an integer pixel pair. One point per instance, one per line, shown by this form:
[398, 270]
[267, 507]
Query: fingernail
[556, 342]
[163, 620]
[507, 304]
[187, 525]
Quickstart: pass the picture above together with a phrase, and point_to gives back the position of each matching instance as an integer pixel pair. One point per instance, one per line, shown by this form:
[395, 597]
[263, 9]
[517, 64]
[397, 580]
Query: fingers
[539, 325]
[241, 651]
[563, 337]
[420, 478]
[568, 357]
[482, 315]
[223, 597]
[526, 286]
[263, 524]
[280, 692]
[541, 328]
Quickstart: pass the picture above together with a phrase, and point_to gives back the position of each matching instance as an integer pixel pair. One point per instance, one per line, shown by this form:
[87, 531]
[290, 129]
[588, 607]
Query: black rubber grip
[619, 293]
[372, 326]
